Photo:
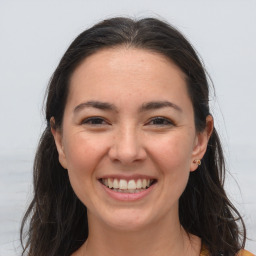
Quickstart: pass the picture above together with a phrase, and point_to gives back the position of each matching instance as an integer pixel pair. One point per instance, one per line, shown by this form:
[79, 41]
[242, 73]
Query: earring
[198, 162]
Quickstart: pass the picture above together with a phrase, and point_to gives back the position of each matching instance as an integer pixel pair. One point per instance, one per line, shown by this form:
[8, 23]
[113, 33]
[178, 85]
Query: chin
[128, 220]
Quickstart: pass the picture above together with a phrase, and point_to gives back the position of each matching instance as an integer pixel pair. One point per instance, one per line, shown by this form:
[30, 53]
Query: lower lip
[127, 196]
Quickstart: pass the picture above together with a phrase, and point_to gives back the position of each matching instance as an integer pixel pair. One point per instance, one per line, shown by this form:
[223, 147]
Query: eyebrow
[110, 107]
[159, 104]
[95, 104]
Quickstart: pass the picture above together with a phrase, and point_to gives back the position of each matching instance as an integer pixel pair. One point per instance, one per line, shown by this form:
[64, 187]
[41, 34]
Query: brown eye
[160, 121]
[94, 121]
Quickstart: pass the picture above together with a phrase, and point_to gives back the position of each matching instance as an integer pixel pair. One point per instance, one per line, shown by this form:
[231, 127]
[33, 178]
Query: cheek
[83, 156]
[174, 152]
[83, 152]
[171, 157]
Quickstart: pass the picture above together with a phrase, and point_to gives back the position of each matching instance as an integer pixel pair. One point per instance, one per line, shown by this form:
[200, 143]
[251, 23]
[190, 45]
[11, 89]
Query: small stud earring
[198, 162]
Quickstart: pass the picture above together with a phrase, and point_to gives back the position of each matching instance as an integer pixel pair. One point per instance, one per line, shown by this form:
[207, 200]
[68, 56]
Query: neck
[159, 239]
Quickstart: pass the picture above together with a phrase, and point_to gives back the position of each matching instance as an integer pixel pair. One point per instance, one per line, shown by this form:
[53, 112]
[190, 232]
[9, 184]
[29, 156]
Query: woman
[130, 162]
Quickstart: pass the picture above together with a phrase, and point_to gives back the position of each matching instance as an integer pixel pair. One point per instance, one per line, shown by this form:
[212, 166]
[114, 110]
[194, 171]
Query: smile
[127, 186]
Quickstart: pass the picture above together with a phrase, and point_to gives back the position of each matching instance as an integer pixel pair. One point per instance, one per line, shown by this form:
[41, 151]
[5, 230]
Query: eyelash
[156, 121]
[160, 121]
[94, 121]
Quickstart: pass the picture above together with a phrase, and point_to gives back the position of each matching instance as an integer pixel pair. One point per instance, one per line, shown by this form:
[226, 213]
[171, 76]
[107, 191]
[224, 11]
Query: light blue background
[35, 34]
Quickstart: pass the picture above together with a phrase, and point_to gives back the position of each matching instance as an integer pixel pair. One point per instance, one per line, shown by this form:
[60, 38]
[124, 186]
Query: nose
[127, 146]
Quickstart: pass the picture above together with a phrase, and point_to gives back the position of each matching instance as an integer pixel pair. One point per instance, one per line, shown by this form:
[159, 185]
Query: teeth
[139, 184]
[123, 184]
[144, 183]
[115, 184]
[105, 182]
[110, 183]
[127, 191]
[130, 186]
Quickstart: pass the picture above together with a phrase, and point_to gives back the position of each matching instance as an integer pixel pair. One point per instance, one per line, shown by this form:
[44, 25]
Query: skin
[128, 139]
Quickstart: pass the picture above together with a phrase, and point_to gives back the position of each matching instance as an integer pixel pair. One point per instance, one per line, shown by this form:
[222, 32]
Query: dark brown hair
[57, 222]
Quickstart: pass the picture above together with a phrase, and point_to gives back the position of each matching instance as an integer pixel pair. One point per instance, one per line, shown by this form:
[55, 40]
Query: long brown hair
[57, 221]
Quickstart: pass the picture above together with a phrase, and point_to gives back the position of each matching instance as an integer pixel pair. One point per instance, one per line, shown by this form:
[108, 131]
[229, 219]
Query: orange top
[245, 253]
[205, 252]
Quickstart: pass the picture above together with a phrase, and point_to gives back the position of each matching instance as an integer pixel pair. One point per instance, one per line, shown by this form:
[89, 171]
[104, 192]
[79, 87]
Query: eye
[96, 121]
[160, 121]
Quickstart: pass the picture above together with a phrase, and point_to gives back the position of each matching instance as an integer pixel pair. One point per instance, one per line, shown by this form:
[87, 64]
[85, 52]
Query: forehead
[129, 58]
[129, 70]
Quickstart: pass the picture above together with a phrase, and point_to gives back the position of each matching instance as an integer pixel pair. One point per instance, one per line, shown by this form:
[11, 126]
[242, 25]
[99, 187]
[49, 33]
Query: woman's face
[128, 138]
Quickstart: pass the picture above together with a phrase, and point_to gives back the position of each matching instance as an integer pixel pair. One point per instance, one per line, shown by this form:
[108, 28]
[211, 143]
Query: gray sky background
[34, 36]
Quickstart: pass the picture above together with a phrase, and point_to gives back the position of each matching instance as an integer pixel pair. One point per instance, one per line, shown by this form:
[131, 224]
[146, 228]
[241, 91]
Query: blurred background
[34, 36]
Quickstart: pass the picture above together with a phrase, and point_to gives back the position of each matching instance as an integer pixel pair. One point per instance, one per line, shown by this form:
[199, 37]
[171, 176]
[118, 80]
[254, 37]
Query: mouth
[131, 186]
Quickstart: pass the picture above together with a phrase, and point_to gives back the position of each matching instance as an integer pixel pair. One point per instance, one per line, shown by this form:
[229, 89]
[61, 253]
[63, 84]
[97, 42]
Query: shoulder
[245, 253]
[205, 252]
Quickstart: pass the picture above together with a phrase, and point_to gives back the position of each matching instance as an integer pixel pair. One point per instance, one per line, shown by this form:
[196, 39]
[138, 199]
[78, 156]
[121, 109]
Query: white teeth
[123, 185]
[144, 183]
[139, 184]
[131, 184]
[115, 183]
[110, 183]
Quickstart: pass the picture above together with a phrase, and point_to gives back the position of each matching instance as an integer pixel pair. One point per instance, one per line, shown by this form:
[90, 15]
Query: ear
[201, 143]
[57, 135]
